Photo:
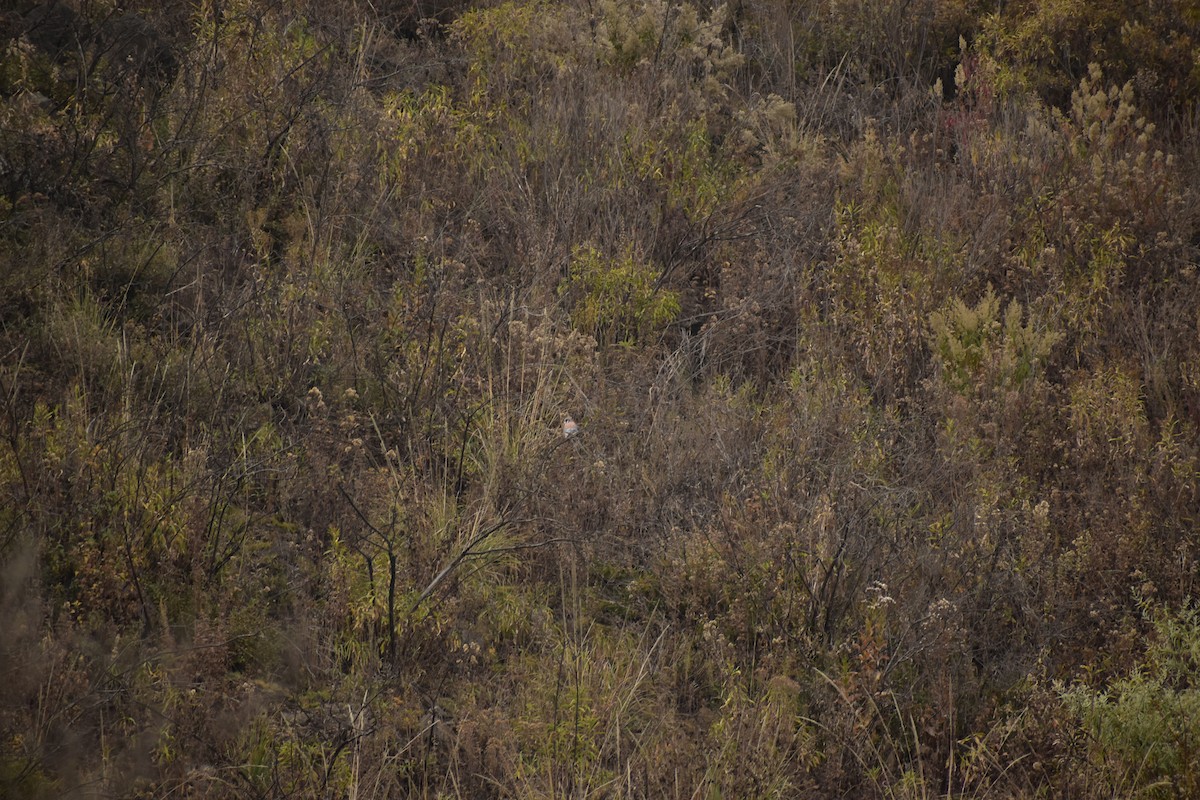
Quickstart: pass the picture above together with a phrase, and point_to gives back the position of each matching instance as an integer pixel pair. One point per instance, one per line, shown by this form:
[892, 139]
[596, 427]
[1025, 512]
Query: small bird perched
[570, 427]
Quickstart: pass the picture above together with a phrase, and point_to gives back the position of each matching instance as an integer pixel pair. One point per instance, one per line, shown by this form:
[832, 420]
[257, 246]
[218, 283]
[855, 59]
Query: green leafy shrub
[1144, 729]
[616, 301]
[1050, 45]
[975, 345]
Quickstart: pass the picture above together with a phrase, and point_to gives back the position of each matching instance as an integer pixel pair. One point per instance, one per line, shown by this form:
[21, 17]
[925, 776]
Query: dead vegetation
[878, 321]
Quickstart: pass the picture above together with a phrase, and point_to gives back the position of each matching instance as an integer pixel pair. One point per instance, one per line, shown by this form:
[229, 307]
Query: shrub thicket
[878, 320]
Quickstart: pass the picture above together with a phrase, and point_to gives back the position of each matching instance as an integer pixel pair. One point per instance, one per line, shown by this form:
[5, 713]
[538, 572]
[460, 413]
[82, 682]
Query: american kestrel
[570, 427]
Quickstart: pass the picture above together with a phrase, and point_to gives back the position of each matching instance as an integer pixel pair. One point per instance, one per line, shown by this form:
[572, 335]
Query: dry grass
[888, 399]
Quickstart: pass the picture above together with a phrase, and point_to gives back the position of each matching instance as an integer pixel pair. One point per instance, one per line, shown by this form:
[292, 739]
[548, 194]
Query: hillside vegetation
[879, 321]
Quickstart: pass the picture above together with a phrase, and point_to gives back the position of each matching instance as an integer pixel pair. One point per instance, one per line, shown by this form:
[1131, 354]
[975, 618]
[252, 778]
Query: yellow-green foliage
[694, 177]
[1047, 46]
[977, 344]
[883, 397]
[638, 32]
[516, 45]
[616, 300]
[1142, 728]
[885, 274]
[1107, 415]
